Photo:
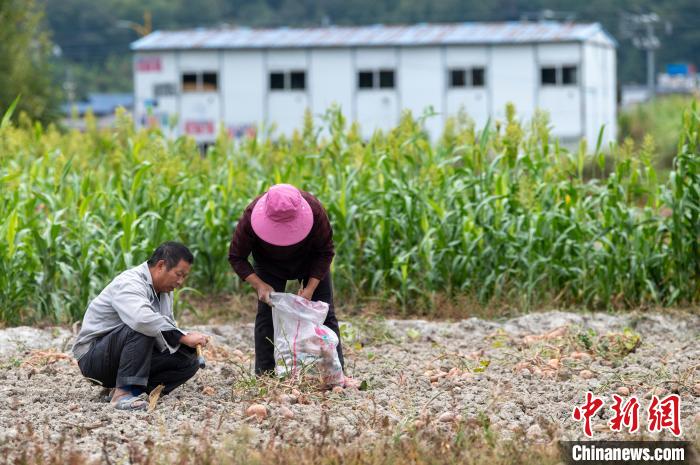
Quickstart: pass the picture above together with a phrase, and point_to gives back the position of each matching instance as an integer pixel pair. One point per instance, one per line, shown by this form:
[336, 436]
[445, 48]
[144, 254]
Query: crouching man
[129, 340]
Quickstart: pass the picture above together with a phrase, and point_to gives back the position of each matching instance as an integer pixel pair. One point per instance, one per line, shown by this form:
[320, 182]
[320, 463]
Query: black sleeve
[172, 337]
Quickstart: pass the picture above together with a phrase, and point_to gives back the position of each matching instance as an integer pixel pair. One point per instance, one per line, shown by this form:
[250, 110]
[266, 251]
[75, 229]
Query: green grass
[661, 120]
[492, 215]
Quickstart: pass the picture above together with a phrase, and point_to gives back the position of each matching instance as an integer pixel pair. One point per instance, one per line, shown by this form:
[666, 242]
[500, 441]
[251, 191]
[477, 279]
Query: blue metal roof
[101, 104]
[375, 36]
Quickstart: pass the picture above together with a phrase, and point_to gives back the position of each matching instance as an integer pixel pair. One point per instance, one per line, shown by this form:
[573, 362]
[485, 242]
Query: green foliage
[25, 50]
[483, 365]
[93, 36]
[111, 74]
[500, 214]
[365, 331]
[585, 338]
[610, 346]
[661, 119]
[684, 200]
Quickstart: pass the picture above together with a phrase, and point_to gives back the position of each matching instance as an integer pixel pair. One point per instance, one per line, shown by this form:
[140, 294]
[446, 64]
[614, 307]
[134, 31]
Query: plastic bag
[302, 342]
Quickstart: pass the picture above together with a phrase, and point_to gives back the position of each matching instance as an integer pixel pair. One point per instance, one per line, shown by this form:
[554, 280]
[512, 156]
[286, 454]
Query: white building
[245, 78]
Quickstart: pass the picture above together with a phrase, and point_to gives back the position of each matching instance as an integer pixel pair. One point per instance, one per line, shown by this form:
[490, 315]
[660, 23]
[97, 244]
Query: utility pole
[641, 29]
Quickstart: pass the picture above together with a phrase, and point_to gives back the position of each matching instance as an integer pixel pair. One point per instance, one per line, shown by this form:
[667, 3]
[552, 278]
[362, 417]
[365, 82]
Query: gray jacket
[131, 300]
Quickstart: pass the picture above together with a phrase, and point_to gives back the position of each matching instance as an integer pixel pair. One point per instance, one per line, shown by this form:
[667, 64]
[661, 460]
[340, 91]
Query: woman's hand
[264, 290]
[306, 292]
[261, 287]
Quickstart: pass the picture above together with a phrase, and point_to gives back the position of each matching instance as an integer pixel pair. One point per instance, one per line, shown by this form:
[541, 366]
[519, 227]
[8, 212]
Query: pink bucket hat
[282, 216]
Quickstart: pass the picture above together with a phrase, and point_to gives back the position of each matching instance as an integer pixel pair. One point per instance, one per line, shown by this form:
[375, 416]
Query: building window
[478, 77]
[164, 90]
[549, 76]
[559, 75]
[467, 77]
[376, 79]
[288, 80]
[297, 80]
[365, 79]
[210, 82]
[458, 78]
[569, 75]
[276, 81]
[386, 79]
[189, 82]
[207, 81]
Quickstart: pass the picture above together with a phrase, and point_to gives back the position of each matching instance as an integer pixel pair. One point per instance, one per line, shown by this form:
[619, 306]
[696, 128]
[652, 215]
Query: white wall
[421, 83]
[512, 74]
[148, 111]
[563, 103]
[332, 80]
[376, 108]
[472, 101]
[244, 86]
[600, 93]
[196, 113]
[201, 112]
[610, 88]
[513, 78]
[285, 108]
[195, 60]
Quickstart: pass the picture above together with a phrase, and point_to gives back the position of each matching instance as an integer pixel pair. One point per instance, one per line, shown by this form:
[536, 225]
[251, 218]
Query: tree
[90, 35]
[25, 66]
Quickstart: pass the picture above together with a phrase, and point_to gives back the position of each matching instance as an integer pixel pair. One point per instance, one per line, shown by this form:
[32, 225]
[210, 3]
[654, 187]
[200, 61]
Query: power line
[641, 30]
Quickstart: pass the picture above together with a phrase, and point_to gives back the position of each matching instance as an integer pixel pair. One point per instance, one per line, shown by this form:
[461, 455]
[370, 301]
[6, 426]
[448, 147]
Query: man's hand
[194, 339]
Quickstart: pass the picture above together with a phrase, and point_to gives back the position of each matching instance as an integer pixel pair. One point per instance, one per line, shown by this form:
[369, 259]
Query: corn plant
[502, 213]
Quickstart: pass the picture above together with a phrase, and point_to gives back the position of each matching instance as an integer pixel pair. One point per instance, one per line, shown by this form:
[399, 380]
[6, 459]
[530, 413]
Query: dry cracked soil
[519, 378]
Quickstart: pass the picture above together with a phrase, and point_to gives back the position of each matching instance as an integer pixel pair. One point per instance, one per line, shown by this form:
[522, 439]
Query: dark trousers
[264, 330]
[126, 357]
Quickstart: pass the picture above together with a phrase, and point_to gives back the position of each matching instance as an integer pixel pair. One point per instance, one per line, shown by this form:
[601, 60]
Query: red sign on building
[199, 127]
[148, 64]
